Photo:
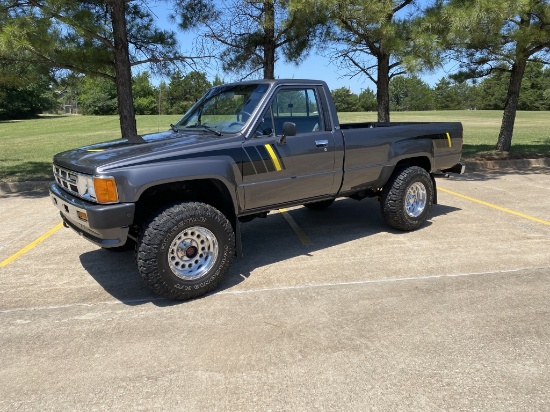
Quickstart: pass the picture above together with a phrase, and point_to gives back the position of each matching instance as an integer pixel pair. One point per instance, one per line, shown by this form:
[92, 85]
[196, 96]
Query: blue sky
[316, 66]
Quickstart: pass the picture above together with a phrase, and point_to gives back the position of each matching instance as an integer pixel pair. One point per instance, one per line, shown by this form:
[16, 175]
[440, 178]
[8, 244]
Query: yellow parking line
[31, 245]
[502, 209]
[297, 229]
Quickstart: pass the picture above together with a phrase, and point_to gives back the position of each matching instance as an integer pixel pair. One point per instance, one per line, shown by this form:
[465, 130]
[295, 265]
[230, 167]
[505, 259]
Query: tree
[250, 36]
[184, 91]
[377, 38]
[445, 96]
[145, 96]
[451, 95]
[410, 93]
[345, 100]
[493, 89]
[218, 81]
[98, 96]
[25, 91]
[533, 87]
[69, 89]
[163, 105]
[546, 88]
[489, 35]
[367, 100]
[102, 38]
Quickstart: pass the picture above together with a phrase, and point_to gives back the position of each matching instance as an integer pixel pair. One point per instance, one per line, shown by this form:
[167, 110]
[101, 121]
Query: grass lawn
[27, 146]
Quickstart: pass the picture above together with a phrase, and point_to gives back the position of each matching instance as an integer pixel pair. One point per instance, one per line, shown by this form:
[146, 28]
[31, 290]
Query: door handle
[321, 143]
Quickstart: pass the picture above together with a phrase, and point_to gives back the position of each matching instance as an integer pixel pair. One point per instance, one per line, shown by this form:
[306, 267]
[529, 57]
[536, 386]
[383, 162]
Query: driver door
[302, 167]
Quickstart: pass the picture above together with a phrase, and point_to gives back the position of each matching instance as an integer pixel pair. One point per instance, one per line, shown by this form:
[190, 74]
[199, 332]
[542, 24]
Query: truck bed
[373, 148]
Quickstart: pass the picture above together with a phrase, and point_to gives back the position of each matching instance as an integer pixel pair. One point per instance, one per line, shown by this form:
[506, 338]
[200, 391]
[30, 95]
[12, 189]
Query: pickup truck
[179, 197]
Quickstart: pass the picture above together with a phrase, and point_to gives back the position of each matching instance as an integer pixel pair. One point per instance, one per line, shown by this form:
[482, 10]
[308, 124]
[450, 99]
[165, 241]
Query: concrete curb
[488, 165]
[7, 188]
[471, 166]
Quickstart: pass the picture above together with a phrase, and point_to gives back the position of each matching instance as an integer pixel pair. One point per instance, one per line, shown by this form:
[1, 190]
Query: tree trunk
[123, 71]
[269, 40]
[511, 106]
[383, 88]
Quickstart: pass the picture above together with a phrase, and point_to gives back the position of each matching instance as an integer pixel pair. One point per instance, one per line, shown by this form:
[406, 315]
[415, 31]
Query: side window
[299, 106]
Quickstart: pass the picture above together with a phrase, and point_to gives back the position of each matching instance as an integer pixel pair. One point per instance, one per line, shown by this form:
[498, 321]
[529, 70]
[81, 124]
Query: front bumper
[106, 225]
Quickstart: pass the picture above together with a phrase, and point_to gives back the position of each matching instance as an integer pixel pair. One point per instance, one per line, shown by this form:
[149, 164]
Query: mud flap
[434, 200]
[238, 242]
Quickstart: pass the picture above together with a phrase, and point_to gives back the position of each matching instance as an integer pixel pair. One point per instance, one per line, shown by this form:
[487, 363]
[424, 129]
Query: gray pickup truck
[179, 197]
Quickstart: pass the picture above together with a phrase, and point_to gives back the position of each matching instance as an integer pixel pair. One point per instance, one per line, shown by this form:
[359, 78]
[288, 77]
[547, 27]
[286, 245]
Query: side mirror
[289, 129]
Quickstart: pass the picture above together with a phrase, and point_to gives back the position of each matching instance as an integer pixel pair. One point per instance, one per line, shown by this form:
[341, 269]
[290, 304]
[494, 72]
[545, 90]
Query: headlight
[100, 189]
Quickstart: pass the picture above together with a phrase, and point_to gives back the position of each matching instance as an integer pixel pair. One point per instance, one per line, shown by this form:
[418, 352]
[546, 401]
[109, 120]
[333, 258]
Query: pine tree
[497, 35]
[101, 38]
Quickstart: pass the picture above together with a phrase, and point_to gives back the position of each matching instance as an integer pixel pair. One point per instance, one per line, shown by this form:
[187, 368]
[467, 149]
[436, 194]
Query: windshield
[224, 109]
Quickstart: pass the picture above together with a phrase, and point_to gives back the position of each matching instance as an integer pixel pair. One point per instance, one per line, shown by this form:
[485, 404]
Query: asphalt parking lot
[338, 312]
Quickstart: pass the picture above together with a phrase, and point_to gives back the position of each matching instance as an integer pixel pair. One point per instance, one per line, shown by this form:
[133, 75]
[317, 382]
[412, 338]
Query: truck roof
[281, 81]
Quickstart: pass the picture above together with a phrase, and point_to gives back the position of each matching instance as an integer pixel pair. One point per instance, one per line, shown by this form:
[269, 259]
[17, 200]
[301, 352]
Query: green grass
[27, 146]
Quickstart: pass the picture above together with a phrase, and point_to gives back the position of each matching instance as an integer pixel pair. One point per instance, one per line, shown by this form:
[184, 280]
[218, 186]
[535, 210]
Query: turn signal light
[82, 216]
[105, 190]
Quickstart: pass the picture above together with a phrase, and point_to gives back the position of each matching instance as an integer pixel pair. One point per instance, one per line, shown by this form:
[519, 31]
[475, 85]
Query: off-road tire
[321, 205]
[399, 194]
[165, 242]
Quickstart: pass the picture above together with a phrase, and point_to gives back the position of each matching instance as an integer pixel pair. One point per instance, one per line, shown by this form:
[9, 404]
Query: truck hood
[121, 152]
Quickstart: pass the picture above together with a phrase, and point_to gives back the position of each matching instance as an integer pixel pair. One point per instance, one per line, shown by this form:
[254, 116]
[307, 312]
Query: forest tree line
[96, 96]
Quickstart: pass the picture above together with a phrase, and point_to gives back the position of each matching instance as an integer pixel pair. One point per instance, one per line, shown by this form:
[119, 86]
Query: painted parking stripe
[297, 229]
[31, 245]
[502, 209]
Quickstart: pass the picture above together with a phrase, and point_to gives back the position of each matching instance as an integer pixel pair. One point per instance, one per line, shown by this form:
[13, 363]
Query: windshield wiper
[210, 129]
[205, 127]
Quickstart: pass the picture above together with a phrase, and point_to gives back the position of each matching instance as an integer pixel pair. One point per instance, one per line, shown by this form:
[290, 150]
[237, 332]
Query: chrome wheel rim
[416, 199]
[193, 253]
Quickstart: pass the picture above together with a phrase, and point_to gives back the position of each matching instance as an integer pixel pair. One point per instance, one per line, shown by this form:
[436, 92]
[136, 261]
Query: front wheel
[186, 250]
[407, 198]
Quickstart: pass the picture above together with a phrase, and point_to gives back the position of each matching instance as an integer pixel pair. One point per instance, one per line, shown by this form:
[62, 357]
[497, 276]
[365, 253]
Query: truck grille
[66, 179]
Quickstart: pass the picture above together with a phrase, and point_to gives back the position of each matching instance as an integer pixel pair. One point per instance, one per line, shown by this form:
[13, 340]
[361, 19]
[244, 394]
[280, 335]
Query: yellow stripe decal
[297, 229]
[31, 245]
[449, 140]
[502, 209]
[95, 150]
[274, 157]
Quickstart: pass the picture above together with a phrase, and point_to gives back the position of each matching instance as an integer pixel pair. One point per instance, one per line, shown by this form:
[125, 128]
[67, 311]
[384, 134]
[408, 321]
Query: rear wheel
[186, 250]
[407, 198]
